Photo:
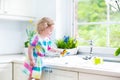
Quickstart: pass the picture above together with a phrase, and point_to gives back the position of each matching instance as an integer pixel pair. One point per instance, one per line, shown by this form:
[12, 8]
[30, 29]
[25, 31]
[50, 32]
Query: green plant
[67, 43]
[30, 31]
[117, 52]
[26, 44]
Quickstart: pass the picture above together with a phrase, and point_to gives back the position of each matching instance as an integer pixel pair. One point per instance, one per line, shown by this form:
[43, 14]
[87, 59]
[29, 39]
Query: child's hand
[64, 53]
[32, 63]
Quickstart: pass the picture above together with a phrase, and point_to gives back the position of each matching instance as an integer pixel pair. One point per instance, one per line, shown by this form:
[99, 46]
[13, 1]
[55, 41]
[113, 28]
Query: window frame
[102, 51]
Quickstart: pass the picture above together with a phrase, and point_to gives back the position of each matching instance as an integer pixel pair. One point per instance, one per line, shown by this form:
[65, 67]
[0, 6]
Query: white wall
[11, 36]
[60, 11]
[46, 8]
[64, 17]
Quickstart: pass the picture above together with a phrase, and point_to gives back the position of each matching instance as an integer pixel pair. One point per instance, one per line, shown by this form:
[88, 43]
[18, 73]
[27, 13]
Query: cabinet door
[20, 7]
[6, 71]
[56, 74]
[18, 74]
[45, 74]
[85, 76]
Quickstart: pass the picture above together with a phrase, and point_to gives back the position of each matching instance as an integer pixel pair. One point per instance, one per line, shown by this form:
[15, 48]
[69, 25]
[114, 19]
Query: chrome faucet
[91, 47]
[91, 51]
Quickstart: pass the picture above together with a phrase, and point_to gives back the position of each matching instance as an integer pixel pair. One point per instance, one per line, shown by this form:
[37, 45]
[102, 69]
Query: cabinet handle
[48, 70]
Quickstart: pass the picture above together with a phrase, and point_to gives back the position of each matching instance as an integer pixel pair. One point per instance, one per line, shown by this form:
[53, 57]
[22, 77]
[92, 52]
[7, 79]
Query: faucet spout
[91, 51]
[91, 46]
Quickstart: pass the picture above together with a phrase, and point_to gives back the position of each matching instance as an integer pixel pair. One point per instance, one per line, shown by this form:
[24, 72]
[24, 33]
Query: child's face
[48, 30]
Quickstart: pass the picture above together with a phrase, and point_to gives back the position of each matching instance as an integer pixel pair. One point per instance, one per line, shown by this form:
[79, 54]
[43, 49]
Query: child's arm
[55, 50]
[30, 50]
[63, 52]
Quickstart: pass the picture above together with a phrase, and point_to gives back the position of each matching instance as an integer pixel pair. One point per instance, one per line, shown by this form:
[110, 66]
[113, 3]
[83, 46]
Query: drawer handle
[48, 70]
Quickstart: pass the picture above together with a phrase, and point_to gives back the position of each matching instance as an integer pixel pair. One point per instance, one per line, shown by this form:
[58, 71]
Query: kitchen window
[98, 20]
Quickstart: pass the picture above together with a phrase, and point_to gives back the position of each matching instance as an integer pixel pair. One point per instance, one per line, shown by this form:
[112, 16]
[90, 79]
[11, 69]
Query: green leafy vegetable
[117, 52]
[67, 43]
[30, 31]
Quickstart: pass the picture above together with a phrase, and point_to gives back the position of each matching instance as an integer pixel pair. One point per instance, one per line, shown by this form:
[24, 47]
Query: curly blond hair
[44, 23]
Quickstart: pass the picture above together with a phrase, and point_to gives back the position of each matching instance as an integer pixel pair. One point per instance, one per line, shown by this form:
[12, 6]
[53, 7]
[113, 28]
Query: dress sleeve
[34, 40]
[49, 44]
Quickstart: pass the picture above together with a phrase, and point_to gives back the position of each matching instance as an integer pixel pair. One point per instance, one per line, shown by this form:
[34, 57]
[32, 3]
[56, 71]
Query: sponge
[64, 53]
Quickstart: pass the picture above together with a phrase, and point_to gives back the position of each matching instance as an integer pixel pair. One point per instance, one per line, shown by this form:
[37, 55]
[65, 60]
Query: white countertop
[72, 63]
[11, 58]
[75, 63]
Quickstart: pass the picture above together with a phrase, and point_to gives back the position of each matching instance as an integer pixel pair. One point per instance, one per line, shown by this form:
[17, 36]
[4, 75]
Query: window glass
[97, 33]
[98, 20]
[115, 35]
[91, 10]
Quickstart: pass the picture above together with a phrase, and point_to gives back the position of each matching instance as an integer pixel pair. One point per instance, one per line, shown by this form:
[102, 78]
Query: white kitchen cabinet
[45, 74]
[1, 7]
[5, 71]
[86, 76]
[18, 8]
[18, 74]
[57, 74]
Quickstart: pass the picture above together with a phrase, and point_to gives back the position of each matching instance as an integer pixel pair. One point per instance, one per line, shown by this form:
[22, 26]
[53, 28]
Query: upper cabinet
[18, 8]
[1, 7]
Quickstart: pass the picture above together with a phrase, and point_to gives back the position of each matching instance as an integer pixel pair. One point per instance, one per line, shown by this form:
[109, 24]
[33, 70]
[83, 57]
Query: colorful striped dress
[41, 47]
